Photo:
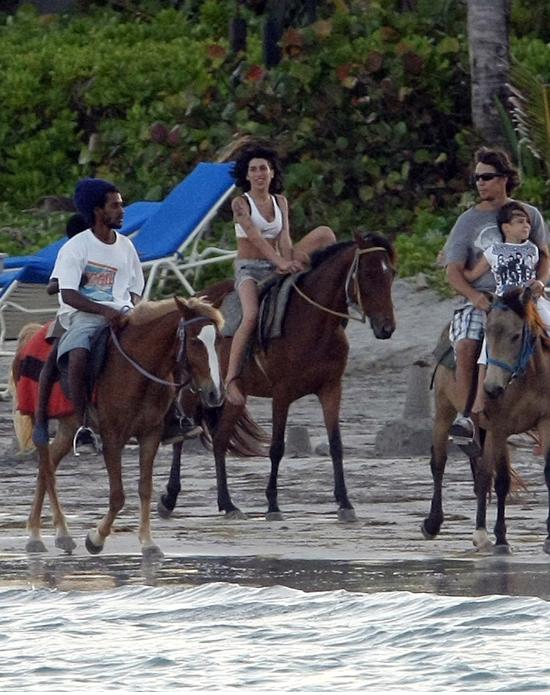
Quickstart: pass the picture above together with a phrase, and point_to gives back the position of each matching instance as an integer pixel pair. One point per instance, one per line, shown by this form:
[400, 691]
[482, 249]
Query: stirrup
[96, 441]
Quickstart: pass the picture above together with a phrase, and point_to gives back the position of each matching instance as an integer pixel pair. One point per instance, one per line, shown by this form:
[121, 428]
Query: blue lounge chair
[169, 240]
[166, 235]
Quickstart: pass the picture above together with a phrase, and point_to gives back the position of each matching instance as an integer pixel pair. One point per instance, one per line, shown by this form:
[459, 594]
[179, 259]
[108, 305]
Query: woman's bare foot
[233, 393]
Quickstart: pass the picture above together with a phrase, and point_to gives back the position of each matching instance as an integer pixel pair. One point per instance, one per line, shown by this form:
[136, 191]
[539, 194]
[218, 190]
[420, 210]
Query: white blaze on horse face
[207, 336]
[385, 266]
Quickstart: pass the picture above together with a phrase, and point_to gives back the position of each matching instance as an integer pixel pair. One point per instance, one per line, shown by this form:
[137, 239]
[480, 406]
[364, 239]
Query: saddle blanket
[33, 356]
[274, 295]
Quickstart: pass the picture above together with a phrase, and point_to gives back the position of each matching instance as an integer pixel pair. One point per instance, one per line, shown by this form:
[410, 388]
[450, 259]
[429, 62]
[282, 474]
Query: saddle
[443, 353]
[274, 293]
[96, 361]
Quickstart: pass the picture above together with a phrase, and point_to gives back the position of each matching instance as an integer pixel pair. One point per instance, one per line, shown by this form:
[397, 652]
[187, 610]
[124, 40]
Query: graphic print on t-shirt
[98, 281]
[513, 265]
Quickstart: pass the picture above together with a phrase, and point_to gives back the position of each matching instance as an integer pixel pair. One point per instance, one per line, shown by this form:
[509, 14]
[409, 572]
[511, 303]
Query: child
[513, 263]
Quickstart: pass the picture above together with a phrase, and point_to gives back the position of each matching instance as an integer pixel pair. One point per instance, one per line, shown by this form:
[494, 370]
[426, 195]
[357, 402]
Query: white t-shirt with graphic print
[512, 265]
[104, 273]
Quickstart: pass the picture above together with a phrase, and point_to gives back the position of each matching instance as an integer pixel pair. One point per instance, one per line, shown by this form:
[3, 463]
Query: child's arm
[480, 268]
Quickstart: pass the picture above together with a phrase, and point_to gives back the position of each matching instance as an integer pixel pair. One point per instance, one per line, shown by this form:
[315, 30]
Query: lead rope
[352, 274]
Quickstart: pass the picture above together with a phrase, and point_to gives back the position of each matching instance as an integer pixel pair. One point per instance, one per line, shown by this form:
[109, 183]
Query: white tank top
[269, 230]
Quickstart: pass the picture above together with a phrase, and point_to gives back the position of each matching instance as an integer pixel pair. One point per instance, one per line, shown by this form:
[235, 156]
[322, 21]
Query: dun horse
[309, 358]
[513, 369]
[517, 385]
[164, 345]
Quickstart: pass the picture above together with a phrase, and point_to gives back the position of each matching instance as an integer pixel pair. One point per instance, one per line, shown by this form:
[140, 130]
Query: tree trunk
[489, 63]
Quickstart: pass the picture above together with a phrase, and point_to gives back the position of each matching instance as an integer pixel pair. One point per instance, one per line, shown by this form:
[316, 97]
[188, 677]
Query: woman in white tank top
[263, 245]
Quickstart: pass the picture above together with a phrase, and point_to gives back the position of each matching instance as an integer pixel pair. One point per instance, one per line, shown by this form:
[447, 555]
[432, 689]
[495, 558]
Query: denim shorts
[81, 328]
[467, 323]
[252, 269]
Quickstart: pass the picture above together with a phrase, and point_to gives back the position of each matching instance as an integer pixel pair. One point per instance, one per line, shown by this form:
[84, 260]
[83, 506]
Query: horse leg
[544, 434]
[276, 453]
[330, 397]
[167, 502]
[148, 446]
[220, 441]
[49, 458]
[502, 488]
[483, 481]
[444, 416]
[112, 454]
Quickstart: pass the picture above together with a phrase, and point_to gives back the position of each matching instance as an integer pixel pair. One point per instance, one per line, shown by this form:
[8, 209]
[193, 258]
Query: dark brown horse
[310, 358]
[517, 385]
[163, 345]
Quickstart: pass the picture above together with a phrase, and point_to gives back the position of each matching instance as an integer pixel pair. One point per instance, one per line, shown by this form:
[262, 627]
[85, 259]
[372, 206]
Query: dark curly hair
[500, 160]
[240, 168]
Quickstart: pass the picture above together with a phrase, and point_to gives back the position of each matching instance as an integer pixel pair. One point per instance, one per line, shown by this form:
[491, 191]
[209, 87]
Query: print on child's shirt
[97, 282]
[513, 265]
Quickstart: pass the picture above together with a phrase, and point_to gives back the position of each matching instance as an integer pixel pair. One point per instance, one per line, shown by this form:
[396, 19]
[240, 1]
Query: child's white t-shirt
[513, 265]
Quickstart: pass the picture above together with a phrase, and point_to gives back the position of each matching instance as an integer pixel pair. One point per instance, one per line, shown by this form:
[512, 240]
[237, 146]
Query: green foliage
[369, 109]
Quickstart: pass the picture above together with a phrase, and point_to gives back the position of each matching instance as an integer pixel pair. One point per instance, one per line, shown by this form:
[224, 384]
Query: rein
[351, 276]
[152, 377]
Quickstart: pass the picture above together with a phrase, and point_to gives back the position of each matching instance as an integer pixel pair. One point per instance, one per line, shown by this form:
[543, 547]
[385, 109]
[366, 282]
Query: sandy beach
[310, 549]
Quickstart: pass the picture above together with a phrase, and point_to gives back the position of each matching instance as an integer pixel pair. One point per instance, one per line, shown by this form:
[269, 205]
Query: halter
[352, 276]
[180, 333]
[528, 339]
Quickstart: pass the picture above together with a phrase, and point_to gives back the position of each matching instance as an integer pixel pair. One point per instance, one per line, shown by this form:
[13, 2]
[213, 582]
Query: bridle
[181, 359]
[352, 278]
[528, 339]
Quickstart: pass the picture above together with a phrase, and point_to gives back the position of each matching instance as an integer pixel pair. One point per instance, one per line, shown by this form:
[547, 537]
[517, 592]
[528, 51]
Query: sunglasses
[486, 177]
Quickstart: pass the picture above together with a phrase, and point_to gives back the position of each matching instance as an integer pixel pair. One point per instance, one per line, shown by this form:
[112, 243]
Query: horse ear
[182, 306]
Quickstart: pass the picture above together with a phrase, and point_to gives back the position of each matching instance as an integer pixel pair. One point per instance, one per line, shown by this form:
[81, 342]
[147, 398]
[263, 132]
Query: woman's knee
[326, 235]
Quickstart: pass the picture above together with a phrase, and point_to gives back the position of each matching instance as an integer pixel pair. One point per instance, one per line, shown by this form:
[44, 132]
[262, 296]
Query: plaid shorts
[468, 322]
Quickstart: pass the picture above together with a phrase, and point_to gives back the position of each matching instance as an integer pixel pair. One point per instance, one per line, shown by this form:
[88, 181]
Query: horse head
[198, 358]
[513, 325]
[373, 277]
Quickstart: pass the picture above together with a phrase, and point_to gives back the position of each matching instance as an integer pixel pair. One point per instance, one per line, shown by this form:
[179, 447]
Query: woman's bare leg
[317, 239]
[248, 294]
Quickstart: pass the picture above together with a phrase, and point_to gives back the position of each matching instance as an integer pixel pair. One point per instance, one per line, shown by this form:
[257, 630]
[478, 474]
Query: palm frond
[529, 102]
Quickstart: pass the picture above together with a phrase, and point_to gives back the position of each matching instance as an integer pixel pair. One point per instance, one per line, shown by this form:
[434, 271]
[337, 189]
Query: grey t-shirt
[475, 231]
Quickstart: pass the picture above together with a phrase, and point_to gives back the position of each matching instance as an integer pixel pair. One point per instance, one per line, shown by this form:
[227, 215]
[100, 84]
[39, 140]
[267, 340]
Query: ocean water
[221, 636]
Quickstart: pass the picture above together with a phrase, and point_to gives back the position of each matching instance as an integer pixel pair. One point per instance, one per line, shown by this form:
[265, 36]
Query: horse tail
[247, 438]
[21, 423]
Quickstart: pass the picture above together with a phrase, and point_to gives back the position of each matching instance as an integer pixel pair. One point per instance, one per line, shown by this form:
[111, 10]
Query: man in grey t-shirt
[474, 231]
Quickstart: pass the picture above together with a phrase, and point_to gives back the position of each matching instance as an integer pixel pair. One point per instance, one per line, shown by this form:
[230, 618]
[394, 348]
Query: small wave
[224, 636]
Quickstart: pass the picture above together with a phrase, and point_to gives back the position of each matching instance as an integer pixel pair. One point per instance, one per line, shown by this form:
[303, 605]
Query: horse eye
[515, 338]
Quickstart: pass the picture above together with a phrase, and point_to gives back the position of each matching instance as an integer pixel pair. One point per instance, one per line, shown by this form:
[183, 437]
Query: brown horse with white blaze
[309, 358]
[165, 346]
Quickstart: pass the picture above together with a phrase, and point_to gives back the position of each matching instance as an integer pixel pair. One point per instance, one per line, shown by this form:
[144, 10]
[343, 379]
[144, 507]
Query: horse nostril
[493, 391]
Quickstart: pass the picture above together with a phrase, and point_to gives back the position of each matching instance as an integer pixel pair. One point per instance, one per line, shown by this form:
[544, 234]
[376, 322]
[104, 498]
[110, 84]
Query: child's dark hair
[507, 212]
[75, 224]
[240, 168]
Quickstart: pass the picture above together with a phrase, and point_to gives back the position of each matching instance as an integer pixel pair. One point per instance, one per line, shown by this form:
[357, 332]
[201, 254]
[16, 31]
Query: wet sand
[310, 550]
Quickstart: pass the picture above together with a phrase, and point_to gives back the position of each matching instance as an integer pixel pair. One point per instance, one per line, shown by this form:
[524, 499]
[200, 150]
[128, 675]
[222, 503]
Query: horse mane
[145, 312]
[371, 239]
[526, 311]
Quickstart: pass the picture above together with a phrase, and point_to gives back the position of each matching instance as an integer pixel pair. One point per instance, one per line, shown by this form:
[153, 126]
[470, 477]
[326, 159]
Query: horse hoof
[162, 510]
[65, 543]
[429, 536]
[502, 549]
[546, 546]
[35, 545]
[346, 515]
[235, 515]
[151, 553]
[481, 541]
[91, 547]
[274, 516]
